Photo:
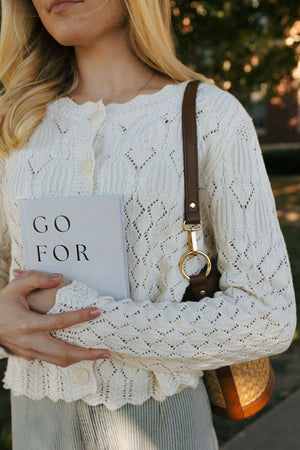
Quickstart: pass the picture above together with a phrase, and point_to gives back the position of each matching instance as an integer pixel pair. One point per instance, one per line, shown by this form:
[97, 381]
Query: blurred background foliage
[244, 45]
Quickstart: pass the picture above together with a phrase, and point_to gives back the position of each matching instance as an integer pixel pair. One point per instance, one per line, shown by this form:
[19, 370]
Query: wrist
[42, 300]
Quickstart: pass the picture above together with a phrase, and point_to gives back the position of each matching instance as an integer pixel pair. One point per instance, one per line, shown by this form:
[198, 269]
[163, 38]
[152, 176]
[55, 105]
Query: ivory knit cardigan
[159, 345]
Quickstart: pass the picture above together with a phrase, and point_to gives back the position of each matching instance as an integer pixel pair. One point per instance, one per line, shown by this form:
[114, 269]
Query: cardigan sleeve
[4, 243]
[253, 314]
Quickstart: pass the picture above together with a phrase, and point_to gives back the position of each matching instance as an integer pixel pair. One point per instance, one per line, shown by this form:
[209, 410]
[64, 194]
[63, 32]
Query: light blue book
[82, 238]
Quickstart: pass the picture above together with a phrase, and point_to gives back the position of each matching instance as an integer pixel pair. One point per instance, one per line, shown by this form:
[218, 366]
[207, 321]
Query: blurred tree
[244, 45]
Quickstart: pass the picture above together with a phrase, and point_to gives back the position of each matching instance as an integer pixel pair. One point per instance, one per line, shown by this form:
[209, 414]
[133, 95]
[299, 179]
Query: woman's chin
[67, 39]
[73, 36]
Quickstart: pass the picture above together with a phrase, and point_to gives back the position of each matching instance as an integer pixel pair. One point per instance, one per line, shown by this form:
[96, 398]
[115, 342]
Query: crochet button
[86, 166]
[96, 116]
[80, 376]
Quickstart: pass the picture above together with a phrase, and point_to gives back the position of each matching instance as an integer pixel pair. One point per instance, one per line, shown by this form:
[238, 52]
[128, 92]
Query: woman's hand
[42, 300]
[27, 334]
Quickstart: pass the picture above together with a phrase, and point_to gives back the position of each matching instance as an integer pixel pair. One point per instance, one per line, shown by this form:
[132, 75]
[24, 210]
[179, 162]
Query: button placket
[84, 150]
[96, 117]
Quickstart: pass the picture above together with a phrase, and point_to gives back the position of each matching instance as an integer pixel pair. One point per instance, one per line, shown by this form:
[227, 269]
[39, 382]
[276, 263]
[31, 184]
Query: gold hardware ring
[193, 253]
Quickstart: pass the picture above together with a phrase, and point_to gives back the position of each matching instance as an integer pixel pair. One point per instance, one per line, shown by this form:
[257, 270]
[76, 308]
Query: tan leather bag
[240, 390]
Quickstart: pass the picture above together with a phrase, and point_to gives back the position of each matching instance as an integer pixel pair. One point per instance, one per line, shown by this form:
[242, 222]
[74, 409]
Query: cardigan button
[96, 116]
[86, 166]
[80, 376]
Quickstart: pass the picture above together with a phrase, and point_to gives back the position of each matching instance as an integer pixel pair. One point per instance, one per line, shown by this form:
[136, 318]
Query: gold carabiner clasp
[193, 249]
[193, 244]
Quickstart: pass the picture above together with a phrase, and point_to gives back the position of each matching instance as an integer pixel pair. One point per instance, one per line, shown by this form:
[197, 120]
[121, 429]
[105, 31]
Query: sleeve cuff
[74, 296]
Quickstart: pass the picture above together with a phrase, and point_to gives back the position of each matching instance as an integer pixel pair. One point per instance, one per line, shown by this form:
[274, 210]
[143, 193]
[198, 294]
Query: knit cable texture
[158, 344]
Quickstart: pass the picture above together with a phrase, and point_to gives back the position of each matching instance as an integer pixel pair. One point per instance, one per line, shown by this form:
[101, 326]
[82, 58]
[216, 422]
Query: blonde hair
[35, 69]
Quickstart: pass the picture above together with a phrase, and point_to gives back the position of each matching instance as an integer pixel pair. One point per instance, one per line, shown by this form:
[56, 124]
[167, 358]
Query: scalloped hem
[109, 405]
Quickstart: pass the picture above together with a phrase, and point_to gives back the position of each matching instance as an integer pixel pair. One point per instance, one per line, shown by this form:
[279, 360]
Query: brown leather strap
[200, 285]
[189, 136]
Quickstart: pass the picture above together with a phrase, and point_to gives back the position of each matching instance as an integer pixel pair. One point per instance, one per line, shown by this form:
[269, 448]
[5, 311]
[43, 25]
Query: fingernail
[55, 276]
[105, 355]
[95, 312]
[18, 272]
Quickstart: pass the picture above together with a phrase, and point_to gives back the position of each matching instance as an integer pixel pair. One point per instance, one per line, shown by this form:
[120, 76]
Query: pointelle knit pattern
[159, 345]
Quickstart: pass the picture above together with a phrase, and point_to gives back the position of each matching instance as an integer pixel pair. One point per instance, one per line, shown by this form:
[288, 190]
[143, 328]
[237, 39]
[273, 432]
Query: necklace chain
[137, 93]
[146, 84]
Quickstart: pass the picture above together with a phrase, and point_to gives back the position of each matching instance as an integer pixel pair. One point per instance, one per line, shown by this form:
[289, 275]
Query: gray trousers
[181, 422]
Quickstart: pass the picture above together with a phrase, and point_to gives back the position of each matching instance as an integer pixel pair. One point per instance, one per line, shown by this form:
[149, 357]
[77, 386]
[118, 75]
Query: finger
[33, 279]
[63, 281]
[18, 272]
[72, 353]
[64, 357]
[56, 352]
[67, 319]
[36, 322]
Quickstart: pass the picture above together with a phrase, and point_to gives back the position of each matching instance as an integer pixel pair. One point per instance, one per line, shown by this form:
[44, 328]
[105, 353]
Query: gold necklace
[145, 85]
[137, 93]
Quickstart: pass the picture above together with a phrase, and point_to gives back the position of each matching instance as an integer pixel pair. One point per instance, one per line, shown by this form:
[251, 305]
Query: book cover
[82, 238]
